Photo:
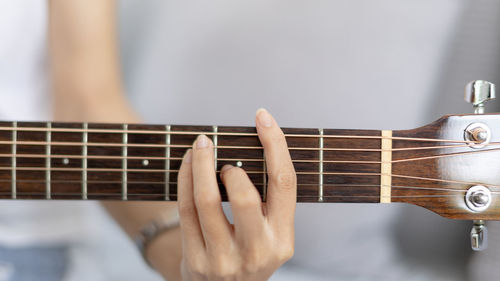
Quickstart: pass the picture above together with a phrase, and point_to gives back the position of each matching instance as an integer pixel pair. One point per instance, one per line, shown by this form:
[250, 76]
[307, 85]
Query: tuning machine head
[478, 92]
[479, 236]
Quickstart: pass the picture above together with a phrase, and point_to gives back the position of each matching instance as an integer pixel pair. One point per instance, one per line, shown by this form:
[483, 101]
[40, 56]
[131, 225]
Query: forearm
[164, 253]
[84, 62]
[87, 87]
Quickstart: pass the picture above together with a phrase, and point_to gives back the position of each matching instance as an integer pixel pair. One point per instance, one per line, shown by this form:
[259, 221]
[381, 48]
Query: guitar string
[122, 145]
[250, 172]
[223, 197]
[107, 170]
[220, 183]
[112, 157]
[314, 173]
[315, 136]
[209, 133]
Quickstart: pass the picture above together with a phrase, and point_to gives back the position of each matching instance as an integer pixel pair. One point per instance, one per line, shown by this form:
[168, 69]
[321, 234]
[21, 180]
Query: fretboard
[141, 162]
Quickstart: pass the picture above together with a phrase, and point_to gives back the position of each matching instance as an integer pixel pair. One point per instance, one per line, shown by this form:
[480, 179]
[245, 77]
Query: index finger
[282, 187]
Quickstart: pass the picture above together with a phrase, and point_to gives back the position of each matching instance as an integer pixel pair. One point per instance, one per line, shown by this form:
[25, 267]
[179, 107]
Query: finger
[282, 188]
[192, 237]
[246, 204]
[213, 221]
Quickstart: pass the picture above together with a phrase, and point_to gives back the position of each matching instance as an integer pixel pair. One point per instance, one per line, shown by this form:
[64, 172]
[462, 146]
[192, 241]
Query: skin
[87, 87]
[262, 236]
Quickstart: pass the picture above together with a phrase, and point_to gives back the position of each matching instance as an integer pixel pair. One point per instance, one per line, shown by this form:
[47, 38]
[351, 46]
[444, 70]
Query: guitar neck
[140, 162]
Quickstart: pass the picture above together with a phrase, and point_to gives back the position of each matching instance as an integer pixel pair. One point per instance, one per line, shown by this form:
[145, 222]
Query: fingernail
[202, 141]
[226, 167]
[264, 118]
[188, 157]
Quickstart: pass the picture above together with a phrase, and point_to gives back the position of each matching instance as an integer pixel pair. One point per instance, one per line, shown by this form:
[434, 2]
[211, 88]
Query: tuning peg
[479, 236]
[479, 92]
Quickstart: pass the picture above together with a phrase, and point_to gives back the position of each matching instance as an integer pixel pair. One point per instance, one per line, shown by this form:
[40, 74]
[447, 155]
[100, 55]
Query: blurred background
[332, 64]
[385, 64]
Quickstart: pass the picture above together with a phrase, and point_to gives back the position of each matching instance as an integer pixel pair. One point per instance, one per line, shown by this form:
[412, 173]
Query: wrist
[164, 254]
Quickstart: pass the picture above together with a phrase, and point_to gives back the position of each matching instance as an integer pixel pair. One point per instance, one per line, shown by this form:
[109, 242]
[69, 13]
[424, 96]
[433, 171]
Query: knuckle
[206, 200]
[223, 267]
[234, 173]
[196, 266]
[255, 260]
[286, 179]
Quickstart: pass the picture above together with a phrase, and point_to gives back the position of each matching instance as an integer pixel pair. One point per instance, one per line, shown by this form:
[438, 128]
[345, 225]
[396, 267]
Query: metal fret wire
[124, 162]
[167, 165]
[215, 141]
[47, 162]
[320, 179]
[14, 160]
[84, 163]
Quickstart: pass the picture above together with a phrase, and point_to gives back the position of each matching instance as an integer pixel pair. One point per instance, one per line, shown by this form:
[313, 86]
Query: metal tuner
[478, 198]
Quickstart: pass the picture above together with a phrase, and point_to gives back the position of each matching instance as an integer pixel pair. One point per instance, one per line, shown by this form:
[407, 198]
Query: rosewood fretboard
[140, 162]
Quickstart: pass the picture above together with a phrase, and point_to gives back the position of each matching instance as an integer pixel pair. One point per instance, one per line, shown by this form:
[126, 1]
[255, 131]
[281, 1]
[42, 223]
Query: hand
[262, 237]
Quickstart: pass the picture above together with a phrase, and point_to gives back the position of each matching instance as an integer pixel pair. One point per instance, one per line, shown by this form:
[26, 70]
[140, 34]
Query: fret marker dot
[239, 164]
[145, 162]
[65, 161]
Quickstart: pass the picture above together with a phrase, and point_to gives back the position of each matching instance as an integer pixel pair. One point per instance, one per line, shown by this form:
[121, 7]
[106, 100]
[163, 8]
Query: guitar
[451, 166]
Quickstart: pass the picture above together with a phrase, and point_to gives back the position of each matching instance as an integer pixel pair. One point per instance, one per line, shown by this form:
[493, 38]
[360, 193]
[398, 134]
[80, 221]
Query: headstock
[455, 174]
[437, 175]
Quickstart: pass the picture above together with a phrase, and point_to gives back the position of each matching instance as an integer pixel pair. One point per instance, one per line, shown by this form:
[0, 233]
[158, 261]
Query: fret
[178, 152]
[124, 162]
[214, 140]
[66, 184]
[85, 138]
[48, 180]
[320, 179]
[147, 174]
[14, 161]
[250, 160]
[349, 187]
[31, 171]
[307, 172]
[167, 165]
[107, 181]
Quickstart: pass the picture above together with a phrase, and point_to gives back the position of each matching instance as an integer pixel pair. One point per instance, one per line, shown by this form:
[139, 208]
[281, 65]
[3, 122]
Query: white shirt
[331, 64]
